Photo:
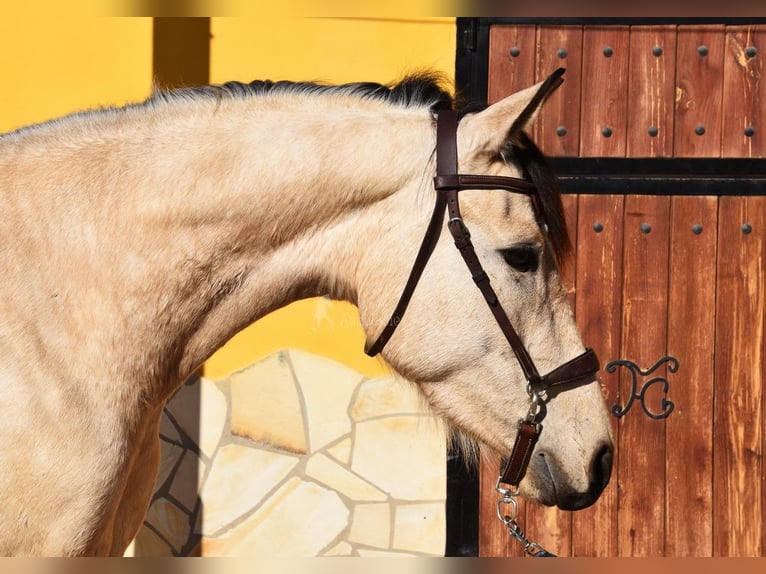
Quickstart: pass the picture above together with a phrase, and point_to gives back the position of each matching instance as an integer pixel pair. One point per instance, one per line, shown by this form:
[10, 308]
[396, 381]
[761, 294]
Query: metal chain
[507, 499]
[507, 495]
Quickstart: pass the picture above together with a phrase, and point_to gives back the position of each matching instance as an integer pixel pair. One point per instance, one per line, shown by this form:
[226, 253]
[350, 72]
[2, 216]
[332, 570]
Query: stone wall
[298, 455]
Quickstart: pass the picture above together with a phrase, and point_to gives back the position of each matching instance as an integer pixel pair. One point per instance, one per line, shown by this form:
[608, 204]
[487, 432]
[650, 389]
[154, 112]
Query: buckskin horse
[135, 241]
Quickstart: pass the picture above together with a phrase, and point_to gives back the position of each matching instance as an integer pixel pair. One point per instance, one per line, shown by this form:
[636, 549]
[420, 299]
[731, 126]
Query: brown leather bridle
[448, 183]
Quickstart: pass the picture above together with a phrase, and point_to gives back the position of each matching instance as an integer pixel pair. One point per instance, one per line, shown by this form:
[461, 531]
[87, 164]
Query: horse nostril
[601, 468]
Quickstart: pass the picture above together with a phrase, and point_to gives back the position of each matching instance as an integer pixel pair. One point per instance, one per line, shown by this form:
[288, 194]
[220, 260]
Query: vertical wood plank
[691, 337]
[699, 91]
[569, 268]
[598, 312]
[641, 478]
[744, 123]
[739, 372]
[651, 91]
[494, 540]
[604, 91]
[510, 73]
[507, 74]
[558, 126]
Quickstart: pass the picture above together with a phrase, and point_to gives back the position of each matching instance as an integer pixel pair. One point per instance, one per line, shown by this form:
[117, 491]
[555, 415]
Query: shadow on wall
[298, 455]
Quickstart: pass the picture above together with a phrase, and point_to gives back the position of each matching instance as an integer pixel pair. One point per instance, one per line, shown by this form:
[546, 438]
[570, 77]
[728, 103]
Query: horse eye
[522, 258]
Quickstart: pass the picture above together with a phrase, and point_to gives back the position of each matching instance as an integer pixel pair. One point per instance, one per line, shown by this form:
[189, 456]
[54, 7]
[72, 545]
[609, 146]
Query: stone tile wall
[298, 456]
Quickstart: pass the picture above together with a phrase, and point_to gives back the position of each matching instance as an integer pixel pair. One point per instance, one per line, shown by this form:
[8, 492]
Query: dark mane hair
[551, 209]
[423, 89]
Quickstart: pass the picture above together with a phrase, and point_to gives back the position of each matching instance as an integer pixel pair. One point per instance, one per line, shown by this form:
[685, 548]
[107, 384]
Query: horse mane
[423, 89]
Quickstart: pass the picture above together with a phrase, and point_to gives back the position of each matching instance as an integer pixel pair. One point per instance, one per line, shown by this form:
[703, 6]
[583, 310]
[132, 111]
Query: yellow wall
[53, 66]
[332, 50]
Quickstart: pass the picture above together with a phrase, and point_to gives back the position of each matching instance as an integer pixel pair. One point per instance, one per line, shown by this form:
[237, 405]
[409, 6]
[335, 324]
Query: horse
[136, 240]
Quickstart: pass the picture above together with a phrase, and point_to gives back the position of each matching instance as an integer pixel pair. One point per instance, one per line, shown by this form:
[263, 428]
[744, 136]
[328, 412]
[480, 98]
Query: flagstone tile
[184, 407]
[170, 454]
[371, 525]
[239, 479]
[386, 396]
[341, 549]
[266, 405]
[185, 484]
[325, 470]
[168, 431]
[148, 543]
[404, 456]
[327, 387]
[201, 410]
[171, 521]
[300, 519]
[341, 451]
[214, 414]
[420, 528]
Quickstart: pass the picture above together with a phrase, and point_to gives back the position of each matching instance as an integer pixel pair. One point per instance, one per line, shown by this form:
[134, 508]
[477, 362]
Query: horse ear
[488, 130]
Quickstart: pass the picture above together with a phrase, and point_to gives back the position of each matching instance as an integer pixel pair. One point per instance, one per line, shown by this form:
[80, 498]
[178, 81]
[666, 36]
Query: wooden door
[656, 275]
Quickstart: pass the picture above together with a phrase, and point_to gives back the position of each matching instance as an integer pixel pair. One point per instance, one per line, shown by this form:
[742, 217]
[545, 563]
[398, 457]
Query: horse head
[482, 379]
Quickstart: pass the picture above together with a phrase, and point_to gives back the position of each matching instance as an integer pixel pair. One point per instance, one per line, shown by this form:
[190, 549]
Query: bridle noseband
[448, 183]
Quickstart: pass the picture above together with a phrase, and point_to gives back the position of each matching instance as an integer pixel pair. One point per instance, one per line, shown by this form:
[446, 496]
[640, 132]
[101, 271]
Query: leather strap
[427, 247]
[458, 181]
[515, 467]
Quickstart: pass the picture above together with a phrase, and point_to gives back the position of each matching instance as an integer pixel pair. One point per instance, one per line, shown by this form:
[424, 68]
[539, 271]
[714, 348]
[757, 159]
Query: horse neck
[230, 218]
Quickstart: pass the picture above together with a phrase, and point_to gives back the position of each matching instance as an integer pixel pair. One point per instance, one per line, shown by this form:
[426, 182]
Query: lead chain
[507, 495]
[507, 499]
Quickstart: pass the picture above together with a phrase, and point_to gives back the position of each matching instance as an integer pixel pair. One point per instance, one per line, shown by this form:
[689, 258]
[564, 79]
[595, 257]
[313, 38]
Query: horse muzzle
[555, 484]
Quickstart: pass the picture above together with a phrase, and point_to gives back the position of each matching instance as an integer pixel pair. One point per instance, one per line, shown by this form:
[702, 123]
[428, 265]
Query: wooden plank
[604, 91]
[494, 540]
[739, 372]
[558, 127]
[510, 73]
[641, 478]
[507, 74]
[598, 312]
[569, 268]
[744, 90]
[691, 336]
[699, 91]
[652, 91]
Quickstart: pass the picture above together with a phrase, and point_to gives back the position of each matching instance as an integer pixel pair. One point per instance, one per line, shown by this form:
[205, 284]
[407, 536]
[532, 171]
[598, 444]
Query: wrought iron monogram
[634, 370]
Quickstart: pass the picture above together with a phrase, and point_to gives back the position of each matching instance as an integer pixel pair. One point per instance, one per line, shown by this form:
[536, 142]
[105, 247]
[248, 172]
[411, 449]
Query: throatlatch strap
[430, 239]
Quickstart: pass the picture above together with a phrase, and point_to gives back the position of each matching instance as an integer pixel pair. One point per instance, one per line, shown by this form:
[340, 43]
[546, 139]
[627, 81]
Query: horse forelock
[536, 168]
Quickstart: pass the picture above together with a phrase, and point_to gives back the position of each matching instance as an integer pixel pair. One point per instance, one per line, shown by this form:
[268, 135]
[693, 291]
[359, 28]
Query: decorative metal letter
[666, 405]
